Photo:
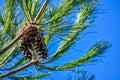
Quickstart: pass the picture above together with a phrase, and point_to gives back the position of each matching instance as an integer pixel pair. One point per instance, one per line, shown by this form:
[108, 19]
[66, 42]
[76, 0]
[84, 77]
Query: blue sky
[108, 25]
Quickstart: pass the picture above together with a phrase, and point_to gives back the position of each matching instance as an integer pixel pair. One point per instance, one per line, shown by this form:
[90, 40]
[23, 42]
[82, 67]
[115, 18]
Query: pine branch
[17, 70]
[96, 50]
[85, 12]
[41, 11]
[13, 41]
[6, 56]
[88, 58]
[20, 62]
[19, 36]
[8, 19]
[61, 12]
[28, 9]
[34, 7]
[23, 7]
[33, 61]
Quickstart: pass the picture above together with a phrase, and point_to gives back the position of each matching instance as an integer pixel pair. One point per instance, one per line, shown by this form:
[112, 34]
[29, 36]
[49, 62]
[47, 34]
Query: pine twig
[2, 62]
[16, 70]
[33, 61]
[42, 9]
[13, 41]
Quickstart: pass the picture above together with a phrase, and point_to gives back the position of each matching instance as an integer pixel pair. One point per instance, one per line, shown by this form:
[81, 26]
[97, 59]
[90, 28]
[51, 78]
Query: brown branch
[13, 41]
[17, 70]
[33, 61]
[42, 9]
[2, 62]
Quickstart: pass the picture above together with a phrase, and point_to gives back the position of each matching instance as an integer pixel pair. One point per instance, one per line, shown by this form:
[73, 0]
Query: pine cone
[32, 38]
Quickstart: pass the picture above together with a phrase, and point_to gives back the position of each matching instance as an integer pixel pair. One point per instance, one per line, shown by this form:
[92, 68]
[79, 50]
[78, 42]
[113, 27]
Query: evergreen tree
[32, 27]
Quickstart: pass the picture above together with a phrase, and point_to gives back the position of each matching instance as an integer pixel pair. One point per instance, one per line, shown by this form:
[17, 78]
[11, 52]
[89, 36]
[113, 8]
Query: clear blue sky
[108, 25]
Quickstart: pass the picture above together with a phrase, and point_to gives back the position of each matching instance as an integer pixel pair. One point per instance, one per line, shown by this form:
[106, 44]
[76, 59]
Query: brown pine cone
[32, 38]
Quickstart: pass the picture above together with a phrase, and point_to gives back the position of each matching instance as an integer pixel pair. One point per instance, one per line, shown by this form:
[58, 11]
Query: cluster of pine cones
[32, 40]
